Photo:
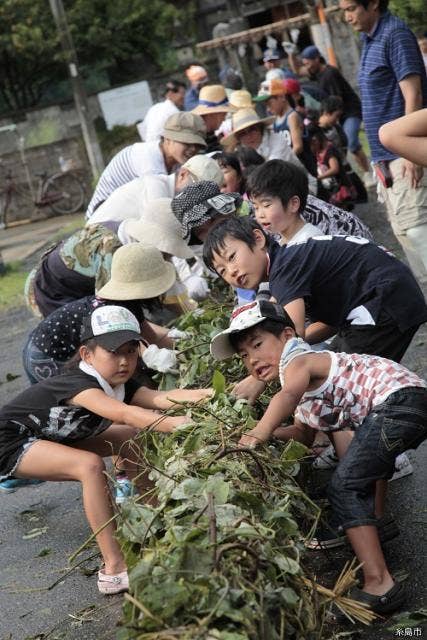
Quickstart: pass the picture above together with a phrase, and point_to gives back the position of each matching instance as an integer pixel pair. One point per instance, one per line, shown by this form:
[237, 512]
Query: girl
[62, 427]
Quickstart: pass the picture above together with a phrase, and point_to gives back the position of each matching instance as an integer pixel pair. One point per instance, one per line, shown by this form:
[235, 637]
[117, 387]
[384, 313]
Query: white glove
[163, 360]
[197, 287]
[177, 334]
[289, 47]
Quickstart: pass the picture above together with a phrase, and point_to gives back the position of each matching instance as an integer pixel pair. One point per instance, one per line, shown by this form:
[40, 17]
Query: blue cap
[310, 53]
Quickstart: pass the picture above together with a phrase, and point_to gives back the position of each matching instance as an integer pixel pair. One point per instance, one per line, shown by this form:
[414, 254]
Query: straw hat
[162, 229]
[212, 99]
[138, 272]
[185, 127]
[243, 119]
[240, 99]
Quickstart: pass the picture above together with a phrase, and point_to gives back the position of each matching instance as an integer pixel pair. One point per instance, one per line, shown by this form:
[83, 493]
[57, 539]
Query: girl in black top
[62, 427]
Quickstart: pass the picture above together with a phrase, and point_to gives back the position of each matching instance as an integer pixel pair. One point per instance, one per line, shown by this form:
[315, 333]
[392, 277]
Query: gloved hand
[163, 360]
[177, 334]
[289, 47]
[197, 287]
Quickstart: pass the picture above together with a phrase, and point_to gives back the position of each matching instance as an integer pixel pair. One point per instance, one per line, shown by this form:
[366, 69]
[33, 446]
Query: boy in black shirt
[344, 285]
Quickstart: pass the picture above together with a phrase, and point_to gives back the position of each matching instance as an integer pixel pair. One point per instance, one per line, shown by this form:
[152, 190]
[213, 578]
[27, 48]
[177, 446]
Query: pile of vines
[217, 552]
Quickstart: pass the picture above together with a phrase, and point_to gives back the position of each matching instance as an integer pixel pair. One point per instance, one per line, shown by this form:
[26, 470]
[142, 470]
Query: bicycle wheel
[64, 192]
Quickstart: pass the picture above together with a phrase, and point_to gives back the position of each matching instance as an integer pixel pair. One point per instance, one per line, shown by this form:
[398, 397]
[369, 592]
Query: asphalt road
[41, 526]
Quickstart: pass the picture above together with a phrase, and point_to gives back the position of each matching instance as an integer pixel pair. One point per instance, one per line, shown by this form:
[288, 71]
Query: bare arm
[153, 399]
[407, 136]
[334, 168]
[249, 389]
[155, 334]
[318, 331]
[295, 129]
[283, 404]
[412, 95]
[118, 412]
[296, 310]
[298, 431]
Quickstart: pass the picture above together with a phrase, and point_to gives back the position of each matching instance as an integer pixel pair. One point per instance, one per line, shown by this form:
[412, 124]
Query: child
[279, 193]
[345, 285]
[62, 427]
[330, 169]
[381, 402]
[329, 122]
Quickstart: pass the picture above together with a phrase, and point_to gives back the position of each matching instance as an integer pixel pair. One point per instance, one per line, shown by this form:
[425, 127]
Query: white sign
[125, 105]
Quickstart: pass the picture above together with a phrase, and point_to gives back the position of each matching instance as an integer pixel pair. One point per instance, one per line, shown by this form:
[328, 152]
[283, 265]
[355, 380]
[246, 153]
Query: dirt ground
[41, 526]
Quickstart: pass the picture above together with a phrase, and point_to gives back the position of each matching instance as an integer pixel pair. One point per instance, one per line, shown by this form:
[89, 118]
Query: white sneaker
[403, 467]
[327, 460]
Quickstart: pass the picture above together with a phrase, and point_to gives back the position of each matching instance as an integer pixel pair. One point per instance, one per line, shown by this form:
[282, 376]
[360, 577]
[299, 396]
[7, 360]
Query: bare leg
[362, 160]
[117, 440]
[53, 461]
[366, 546]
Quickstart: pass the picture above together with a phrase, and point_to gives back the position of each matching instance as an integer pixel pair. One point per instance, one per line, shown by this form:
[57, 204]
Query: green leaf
[287, 565]
[218, 382]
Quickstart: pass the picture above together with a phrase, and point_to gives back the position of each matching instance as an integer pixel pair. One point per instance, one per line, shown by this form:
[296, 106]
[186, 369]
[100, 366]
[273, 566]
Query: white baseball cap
[244, 317]
[112, 326]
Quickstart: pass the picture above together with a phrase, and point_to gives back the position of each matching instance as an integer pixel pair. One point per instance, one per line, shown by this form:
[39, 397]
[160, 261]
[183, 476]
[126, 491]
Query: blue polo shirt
[389, 55]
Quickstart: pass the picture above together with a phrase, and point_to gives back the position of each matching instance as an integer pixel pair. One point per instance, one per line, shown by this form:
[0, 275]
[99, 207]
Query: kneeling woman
[63, 427]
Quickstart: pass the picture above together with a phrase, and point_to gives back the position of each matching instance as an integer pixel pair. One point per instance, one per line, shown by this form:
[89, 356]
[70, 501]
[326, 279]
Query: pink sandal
[111, 584]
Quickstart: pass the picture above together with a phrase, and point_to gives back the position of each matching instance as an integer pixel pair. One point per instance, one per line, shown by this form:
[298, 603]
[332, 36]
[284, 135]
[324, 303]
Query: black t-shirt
[336, 274]
[333, 83]
[58, 335]
[42, 410]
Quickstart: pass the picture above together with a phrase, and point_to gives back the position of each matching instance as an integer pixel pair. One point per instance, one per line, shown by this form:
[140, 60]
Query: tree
[123, 37]
[413, 12]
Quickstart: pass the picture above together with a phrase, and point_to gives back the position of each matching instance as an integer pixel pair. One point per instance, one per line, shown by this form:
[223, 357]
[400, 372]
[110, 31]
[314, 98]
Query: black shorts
[14, 440]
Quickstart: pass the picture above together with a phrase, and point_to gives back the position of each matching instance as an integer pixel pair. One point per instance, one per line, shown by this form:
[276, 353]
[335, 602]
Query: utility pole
[90, 138]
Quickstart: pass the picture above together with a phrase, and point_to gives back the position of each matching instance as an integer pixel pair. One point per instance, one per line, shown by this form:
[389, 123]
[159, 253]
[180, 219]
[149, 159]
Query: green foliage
[123, 38]
[413, 12]
[220, 555]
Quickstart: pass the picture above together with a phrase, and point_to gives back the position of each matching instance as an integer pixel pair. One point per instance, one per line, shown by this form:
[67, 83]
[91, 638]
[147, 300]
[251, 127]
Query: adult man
[151, 128]
[393, 83]
[333, 83]
[183, 137]
[197, 77]
[129, 200]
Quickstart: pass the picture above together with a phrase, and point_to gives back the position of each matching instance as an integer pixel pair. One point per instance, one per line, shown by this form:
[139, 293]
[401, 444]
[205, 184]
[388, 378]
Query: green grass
[12, 286]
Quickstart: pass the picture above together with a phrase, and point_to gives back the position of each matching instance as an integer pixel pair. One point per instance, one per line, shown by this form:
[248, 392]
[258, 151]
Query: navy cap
[310, 53]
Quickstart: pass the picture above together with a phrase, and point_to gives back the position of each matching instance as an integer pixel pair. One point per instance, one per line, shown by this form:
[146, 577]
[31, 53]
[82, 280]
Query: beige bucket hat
[159, 229]
[138, 273]
[243, 119]
[240, 99]
[212, 99]
[185, 127]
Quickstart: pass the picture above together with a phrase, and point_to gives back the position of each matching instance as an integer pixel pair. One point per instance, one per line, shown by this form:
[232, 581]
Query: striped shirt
[134, 161]
[356, 384]
[389, 55]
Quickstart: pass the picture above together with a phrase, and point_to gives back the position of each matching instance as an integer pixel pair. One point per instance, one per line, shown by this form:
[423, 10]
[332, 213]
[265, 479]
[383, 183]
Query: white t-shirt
[134, 161]
[129, 200]
[151, 128]
[306, 232]
[274, 146]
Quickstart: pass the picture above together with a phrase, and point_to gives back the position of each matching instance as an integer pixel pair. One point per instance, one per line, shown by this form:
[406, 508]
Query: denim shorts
[37, 365]
[400, 423]
[351, 126]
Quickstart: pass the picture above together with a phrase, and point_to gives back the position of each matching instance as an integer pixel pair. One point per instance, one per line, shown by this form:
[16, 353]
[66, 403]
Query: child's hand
[248, 389]
[252, 438]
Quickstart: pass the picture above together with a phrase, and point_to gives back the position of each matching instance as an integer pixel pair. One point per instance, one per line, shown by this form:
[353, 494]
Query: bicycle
[62, 192]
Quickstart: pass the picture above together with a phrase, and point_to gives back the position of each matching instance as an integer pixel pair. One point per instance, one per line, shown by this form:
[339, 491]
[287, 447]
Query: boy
[345, 285]
[384, 404]
[279, 193]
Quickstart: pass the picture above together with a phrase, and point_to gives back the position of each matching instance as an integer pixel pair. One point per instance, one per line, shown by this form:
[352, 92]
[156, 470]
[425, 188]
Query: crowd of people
[257, 191]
